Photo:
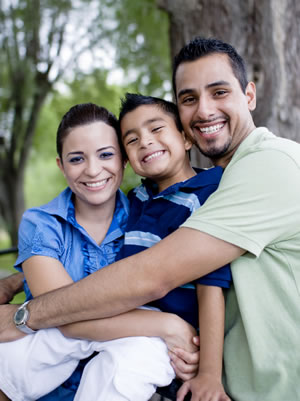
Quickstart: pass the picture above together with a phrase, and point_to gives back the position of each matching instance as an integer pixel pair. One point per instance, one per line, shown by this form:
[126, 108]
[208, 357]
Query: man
[252, 221]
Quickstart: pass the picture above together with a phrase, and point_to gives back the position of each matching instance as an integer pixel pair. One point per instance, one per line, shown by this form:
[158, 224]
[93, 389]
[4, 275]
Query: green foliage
[141, 39]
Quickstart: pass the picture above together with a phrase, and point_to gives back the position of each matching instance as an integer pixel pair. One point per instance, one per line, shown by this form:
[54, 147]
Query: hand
[9, 286]
[185, 364]
[8, 330]
[204, 387]
[177, 333]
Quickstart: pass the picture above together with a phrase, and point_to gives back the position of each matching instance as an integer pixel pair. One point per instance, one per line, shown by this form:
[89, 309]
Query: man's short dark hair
[200, 47]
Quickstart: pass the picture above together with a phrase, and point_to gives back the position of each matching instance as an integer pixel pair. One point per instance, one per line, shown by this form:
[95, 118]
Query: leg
[36, 364]
[126, 369]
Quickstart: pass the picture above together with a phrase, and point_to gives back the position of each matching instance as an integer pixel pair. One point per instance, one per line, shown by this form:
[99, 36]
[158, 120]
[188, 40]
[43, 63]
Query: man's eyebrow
[187, 91]
[145, 123]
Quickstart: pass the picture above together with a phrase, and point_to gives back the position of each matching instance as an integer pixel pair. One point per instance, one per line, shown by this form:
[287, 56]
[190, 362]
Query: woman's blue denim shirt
[52, 230]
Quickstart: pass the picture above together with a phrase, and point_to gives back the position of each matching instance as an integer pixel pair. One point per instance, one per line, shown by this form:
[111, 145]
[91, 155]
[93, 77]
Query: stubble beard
[213, 151]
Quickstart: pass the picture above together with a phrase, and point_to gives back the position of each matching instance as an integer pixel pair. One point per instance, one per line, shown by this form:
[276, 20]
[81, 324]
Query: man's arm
[179, 258]
[10, 286]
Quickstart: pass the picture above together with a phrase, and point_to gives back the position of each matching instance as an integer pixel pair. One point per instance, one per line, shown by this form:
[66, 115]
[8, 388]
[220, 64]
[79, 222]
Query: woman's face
[92, 163]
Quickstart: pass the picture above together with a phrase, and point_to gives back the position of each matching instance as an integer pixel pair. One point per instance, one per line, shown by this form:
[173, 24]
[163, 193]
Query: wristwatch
[21, 317]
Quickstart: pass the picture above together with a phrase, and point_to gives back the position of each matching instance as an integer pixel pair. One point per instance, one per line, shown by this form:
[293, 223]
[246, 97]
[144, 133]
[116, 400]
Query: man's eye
[188, 100]
[220, 92]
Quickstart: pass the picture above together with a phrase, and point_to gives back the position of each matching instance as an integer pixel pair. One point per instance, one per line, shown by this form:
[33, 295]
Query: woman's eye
[76, 159]
[106, 155]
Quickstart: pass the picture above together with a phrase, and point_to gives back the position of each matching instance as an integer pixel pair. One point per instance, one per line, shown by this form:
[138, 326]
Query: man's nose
[205, 109]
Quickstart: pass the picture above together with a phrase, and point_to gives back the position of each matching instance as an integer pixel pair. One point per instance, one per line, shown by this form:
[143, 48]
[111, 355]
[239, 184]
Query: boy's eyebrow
[211, 85]
[145, 123]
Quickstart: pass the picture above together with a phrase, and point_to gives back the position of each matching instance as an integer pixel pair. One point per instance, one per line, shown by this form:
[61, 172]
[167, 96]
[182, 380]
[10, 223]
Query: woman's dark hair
[84, 114]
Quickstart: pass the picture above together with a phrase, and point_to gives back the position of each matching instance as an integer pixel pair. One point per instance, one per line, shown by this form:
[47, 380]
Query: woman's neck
[95, 219]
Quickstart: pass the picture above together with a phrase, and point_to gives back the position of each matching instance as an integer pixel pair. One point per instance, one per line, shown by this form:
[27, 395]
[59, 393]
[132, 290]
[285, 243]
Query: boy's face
[154, 146]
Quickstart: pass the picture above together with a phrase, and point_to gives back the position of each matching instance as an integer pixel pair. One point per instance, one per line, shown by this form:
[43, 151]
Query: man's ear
[60, 165]
[251, 95]
[188, 142]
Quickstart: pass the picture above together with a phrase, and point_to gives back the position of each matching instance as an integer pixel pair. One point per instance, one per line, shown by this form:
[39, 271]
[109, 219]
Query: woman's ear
[60, 165]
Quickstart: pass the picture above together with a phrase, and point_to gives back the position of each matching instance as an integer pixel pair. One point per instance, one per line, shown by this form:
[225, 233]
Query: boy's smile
[154, 146]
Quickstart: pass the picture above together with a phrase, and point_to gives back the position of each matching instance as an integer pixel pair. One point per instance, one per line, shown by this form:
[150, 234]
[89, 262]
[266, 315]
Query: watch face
[20, 316]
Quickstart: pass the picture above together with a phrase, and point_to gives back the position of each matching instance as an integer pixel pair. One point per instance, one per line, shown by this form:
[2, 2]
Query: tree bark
[266, 33]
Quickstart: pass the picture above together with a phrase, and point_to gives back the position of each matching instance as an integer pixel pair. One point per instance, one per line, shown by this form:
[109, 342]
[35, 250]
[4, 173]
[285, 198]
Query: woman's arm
[10, 286]
[211, 324]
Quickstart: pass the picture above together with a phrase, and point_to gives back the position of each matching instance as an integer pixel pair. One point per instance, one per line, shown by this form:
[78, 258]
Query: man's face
[213, 109]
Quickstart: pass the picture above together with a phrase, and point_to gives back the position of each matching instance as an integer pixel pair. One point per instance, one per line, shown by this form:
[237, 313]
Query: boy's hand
[185, 364]
[204, 387]
[177, 333]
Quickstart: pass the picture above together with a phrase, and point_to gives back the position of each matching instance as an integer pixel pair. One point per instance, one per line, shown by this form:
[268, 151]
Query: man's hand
[9, 286]
[8, 330]
[204, 387]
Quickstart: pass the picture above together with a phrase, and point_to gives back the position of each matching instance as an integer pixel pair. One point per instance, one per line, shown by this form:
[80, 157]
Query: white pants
[125, 369]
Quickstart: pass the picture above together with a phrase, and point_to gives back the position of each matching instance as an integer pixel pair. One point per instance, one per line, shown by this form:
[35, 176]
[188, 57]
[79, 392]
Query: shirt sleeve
[39, 234]
[256, 204]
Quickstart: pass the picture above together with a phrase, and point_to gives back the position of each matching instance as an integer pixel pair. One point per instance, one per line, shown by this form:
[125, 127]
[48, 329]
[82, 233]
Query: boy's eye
[131, 140]
[106, 155]
[157, 129]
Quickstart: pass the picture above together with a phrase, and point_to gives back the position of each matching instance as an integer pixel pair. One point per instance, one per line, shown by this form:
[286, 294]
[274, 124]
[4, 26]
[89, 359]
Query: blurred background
[56, 53]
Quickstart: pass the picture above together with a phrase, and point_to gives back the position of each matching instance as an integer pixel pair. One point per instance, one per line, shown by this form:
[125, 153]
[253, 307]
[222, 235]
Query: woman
[74, 235]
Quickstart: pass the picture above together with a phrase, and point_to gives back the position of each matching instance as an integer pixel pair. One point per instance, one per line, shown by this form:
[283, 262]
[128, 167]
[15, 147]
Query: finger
[196, 340]
[182, 365]
[182, 392]
[188, 357]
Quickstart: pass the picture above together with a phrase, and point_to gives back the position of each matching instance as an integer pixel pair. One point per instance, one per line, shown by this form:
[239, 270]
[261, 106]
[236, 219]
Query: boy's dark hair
[84, 114]
[200, 47]
[131, 101]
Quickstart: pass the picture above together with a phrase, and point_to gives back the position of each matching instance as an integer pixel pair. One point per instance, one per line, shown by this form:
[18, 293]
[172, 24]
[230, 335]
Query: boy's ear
[188, 142]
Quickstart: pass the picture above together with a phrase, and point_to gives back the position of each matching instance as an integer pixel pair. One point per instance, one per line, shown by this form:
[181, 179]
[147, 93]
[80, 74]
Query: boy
[157, 149]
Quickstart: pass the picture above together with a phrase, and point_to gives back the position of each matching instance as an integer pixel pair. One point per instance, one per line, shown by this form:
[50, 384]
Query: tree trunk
[266, 33]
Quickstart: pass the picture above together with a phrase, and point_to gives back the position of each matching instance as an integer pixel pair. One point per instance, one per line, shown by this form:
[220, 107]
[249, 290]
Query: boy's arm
[10, 286]
[211, 323]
